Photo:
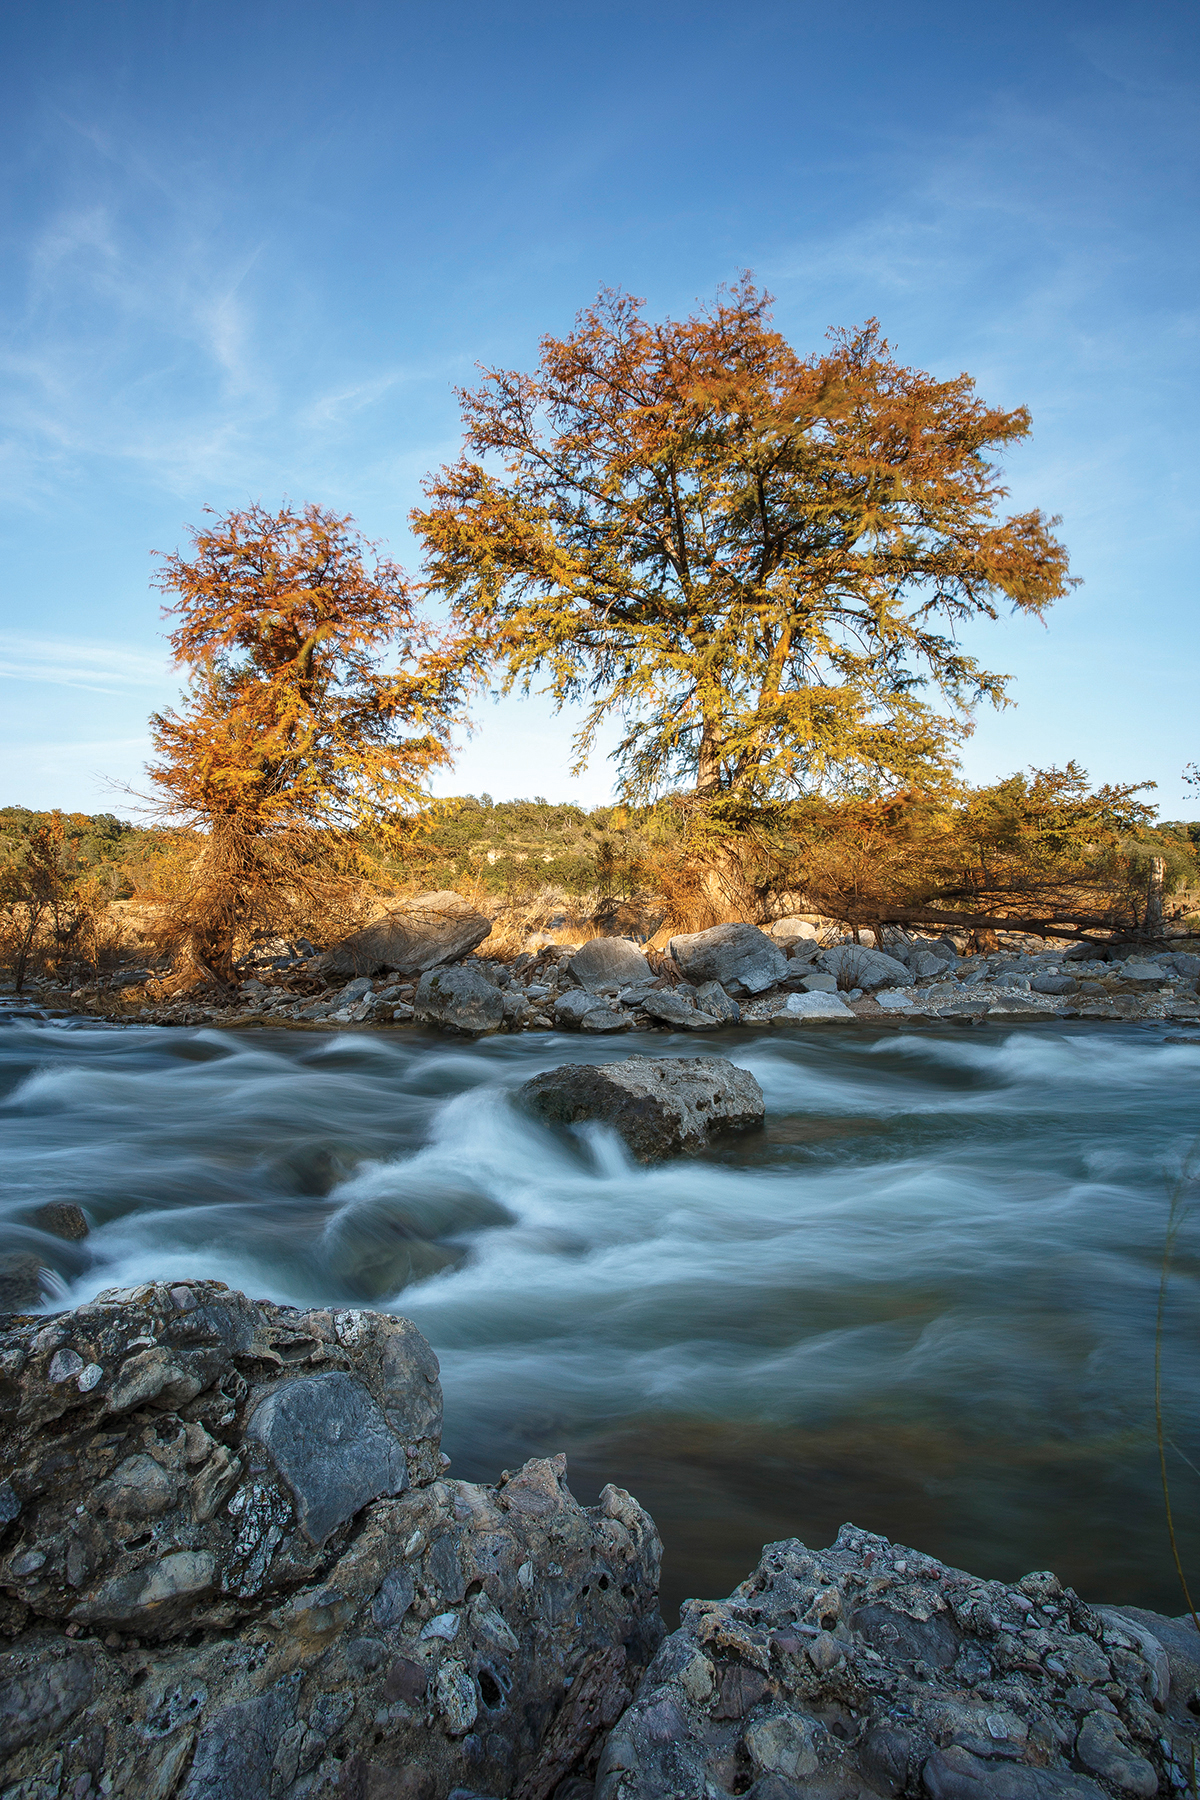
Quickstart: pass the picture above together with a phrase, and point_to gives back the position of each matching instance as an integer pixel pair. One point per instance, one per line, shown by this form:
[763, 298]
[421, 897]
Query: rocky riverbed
[423, 967]
[234, 1566]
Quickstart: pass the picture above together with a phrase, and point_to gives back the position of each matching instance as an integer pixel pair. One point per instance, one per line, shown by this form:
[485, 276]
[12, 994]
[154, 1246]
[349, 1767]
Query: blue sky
[248, 250]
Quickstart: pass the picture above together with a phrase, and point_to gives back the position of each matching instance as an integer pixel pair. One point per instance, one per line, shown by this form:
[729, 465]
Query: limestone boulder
[608, 962]
[1147, 974]
[816, 1008]
[1053, 984]
[660, 1106]
[578, 1010]
[854, 966]
[712, 998]
[676, 1010]
[422, 934]
[791, 930]
[741, 957]
[801, 951]
[459, 999]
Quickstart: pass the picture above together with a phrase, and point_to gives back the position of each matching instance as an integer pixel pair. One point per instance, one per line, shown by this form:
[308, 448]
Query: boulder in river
[659, 1105]
[459, 999]
[741, 957]
[869, 1669]
[20, 1282]
[61, 1218]
[233, 1567]
[422, 934]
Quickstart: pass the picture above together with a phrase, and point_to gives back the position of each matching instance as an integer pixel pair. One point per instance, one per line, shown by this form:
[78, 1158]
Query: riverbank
[610, 984]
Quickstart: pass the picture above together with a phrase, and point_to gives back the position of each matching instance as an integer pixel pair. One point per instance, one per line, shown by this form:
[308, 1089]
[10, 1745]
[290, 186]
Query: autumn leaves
[756, 561]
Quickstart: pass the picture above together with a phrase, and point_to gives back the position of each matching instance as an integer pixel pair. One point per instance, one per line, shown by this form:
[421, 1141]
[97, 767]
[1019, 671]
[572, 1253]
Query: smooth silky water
[922, 1299]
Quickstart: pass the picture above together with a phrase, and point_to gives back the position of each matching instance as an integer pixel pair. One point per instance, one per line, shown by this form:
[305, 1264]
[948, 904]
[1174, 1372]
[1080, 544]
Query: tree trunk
[25, 947]
[1154, 895]
[708, 766]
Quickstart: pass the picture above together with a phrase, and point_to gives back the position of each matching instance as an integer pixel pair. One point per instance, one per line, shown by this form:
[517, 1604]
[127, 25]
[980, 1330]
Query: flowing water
[922, 1299]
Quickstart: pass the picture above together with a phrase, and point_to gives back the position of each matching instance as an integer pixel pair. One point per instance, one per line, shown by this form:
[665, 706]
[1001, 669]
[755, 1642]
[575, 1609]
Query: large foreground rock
[741, 957]
[868, 1669]
[422, 934]
[232, 1567]
[659, 1105]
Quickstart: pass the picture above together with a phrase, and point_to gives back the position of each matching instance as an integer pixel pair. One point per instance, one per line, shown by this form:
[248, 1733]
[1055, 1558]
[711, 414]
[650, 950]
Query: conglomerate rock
[871, 1670]
[233, 1568]
[660, 1105]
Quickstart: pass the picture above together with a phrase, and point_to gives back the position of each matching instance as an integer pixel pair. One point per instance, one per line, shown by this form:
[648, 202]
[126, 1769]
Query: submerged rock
[659, 1105]
[232, 1567]
[741, 957]
[868, 1669]
[422, 934]
[62, 1219]
[20, 1282]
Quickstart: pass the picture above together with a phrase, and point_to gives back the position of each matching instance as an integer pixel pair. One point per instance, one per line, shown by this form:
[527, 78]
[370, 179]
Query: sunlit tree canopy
[757, 560]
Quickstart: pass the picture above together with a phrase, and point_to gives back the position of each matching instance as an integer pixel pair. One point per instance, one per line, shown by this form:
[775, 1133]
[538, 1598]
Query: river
[923, 1299]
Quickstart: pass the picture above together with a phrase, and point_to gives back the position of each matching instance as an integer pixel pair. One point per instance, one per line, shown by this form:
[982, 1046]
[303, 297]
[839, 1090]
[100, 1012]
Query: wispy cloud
[67, 662]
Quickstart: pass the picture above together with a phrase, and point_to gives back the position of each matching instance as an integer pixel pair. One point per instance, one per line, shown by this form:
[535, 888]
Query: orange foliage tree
[757, 560]
[318, 701]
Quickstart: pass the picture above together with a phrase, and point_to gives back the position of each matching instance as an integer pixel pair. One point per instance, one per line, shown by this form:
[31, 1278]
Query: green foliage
[48, 890]
[514, 847]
